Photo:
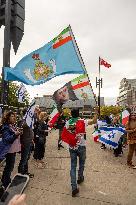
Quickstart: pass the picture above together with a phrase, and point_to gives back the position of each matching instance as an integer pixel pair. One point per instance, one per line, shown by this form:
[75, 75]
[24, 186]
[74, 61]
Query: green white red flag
[53, 116]
[62, 38]
[76, 89]
[124, 117]
[83, 89]
[95, 135]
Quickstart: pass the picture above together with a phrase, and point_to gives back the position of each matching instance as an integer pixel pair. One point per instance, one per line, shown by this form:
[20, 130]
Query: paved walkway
[107, 179]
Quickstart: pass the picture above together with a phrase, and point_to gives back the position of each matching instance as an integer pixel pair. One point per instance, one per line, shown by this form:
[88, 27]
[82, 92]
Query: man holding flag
[74, 134]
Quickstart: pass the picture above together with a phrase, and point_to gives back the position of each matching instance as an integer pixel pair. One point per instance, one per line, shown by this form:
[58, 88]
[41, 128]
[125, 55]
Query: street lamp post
[99, 84]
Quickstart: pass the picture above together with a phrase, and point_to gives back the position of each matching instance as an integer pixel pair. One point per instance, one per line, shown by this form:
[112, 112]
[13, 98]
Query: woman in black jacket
[40, 139]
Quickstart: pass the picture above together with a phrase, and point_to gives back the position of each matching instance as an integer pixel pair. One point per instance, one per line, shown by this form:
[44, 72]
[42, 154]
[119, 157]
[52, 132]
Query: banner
[77, 89]
[55, 58]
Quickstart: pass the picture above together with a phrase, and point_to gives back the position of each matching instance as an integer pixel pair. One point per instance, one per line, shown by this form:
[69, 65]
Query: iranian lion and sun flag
[55, 58]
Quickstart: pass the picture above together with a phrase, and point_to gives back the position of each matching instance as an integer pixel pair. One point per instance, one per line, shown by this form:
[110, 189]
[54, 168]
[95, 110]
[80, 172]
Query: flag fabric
[124, 117]
[77, 89]
[29, 116]
[21, 93]
[62, 38]
[95, 135]
[82, 88]
[110, 136]
[111, 116]
[59, 56]
[72, 132]
[68, 137]
[104, 63]
[54, 115]
[101, 123]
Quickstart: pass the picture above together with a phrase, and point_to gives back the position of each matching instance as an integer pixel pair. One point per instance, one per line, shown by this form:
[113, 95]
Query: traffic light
[12, 16]
[2, 12]
[17, 20]
[17, 26]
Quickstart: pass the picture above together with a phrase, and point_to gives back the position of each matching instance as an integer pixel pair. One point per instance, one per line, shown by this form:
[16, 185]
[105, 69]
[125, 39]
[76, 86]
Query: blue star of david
[111, 135]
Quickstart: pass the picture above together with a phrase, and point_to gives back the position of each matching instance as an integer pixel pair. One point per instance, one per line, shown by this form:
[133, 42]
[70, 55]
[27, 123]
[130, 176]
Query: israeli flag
[21, 93]
[101, 123]
[29, 116]
[110, 136]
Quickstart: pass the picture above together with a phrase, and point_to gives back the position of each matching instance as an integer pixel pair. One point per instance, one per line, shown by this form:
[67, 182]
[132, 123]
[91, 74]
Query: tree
[12, 97]
[107, 110]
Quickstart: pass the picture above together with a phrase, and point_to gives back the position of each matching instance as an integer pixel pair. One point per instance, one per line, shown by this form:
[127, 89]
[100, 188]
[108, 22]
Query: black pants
[25, 155]
[39, 148]
[10, 161]
[118, 150]
[59, 140]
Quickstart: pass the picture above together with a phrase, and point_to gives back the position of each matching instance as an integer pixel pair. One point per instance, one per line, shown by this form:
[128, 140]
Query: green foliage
[12, 98]
[107, 110]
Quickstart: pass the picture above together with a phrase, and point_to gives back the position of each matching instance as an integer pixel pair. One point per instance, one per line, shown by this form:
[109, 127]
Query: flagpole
[99, 92]
[80, 57]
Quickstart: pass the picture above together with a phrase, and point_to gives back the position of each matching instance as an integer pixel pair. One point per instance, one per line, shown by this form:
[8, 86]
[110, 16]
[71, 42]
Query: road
[107, 179]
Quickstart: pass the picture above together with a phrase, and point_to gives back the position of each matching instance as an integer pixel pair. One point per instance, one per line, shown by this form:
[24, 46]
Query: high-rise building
[127, 92]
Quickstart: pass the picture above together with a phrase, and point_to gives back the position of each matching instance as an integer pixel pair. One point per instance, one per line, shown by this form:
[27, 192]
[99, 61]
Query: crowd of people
[18, 137]
[128, 138]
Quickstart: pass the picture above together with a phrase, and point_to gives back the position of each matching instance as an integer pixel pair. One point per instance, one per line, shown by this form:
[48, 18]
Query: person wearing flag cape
[74, 134]
[131, 138]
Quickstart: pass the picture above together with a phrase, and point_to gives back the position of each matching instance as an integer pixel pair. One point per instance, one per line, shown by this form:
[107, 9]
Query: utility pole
[12, 16]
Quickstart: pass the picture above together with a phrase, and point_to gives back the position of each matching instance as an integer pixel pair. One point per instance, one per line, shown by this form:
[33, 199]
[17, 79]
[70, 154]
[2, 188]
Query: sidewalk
[107, 179]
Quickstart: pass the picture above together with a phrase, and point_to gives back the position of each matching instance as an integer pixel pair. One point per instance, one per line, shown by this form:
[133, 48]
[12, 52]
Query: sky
[104, 28]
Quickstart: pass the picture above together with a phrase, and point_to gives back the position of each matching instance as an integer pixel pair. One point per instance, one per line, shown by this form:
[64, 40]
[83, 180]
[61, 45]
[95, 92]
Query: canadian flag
[103, 62]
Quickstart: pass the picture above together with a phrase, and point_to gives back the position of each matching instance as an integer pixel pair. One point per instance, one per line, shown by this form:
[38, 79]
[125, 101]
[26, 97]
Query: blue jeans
[81, 153]
[25, 155]
[10, 161]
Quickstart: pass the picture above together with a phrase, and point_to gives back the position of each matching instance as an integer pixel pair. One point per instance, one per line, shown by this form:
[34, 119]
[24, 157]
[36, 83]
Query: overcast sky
[103, 28]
